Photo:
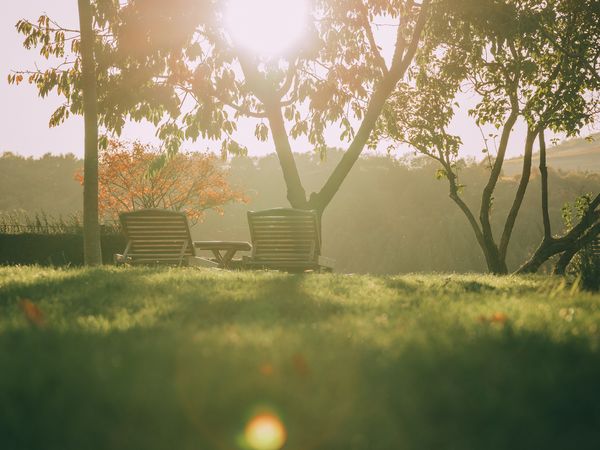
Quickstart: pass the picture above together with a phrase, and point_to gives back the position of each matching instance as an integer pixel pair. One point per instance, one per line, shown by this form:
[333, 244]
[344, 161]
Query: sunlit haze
[24, 116]
[266, 27]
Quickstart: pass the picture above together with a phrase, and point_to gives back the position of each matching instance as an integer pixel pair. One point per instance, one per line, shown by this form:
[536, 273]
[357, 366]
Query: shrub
[586, 263]
[46, 240]
[136, 176]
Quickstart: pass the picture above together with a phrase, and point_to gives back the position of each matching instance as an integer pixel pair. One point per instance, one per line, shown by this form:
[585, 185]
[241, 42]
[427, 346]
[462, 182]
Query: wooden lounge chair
[286, 239]
[162, 237]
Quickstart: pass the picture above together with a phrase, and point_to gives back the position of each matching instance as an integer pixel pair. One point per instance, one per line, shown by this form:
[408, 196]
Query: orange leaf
[499, 317]
[266, 369]
[300, 365]
[32, 313]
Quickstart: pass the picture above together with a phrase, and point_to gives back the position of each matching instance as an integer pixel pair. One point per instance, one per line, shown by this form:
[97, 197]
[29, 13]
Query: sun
[266, 27]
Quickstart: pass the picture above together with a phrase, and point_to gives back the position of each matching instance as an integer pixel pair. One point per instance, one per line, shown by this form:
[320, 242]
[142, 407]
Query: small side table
[230, 248]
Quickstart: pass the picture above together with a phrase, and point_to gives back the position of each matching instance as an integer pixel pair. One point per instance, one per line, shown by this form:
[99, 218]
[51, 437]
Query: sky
[24, 116]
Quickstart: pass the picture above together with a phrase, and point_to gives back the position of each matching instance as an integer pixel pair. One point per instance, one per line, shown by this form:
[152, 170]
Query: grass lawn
[184, 359]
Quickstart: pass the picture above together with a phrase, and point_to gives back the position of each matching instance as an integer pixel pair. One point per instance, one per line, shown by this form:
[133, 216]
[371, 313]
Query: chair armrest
[326, 262]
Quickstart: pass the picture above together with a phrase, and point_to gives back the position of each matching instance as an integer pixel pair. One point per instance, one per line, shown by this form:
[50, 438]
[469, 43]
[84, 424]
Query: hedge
[53, 249]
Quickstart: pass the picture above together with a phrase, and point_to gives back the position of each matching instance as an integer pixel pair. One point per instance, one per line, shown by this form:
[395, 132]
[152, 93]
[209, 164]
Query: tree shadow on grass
[508, 390]
[453, 390]
[279, 299]
[409, 284]
[159, 298]
[157, 385]
[402, 285]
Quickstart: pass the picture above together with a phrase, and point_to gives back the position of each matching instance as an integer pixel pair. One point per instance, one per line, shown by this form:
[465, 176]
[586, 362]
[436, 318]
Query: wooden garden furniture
[162, 237]
[223, 251]
[286, 239]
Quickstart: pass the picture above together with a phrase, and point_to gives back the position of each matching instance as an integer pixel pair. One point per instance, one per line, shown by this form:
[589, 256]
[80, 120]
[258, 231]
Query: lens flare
[266, 27]
[265, 432]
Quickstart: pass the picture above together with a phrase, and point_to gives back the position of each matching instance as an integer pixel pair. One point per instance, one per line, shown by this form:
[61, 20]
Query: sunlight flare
[265, 432]
[266, 27]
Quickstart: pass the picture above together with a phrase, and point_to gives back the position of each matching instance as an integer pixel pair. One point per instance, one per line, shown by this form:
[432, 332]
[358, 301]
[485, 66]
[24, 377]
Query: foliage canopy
[174, 64]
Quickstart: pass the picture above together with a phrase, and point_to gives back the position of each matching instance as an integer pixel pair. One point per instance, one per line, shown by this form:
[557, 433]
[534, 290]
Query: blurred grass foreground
[190, 359]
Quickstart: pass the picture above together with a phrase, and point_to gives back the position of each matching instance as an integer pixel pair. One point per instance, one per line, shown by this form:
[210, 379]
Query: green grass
[183, 358]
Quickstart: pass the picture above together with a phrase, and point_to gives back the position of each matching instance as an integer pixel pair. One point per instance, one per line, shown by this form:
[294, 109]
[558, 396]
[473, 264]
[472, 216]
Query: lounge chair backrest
[596, 246]
[284, 234]
[157, 236]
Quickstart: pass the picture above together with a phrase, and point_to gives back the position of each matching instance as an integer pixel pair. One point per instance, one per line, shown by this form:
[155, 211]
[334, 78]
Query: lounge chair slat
[286, 239]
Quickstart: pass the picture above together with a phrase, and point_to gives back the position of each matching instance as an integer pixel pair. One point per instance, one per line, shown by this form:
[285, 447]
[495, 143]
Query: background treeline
[390, 217]
[41, 184]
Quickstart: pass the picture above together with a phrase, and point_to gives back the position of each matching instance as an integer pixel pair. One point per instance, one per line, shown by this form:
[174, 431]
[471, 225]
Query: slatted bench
[596, 247]
[162, 237]
[286, 239]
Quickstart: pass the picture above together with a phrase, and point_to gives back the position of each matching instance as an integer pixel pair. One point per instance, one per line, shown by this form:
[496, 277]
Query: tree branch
[371, 38]
[587, 238]
[488, 190]
[388, 83]
[523, 183]
[271, 101]
[290, 77]
[544, 187]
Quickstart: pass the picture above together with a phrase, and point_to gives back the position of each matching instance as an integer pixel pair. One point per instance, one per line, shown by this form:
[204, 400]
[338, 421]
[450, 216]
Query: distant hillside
[579, 155]
[387, 217]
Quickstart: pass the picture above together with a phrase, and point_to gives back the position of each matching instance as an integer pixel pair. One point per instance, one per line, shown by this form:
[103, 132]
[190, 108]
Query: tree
[588, 215]
[92, 251]
[586, 20]
[505, 53]
[578, 234]
[189, 182]
[174, 64]
[82, 74]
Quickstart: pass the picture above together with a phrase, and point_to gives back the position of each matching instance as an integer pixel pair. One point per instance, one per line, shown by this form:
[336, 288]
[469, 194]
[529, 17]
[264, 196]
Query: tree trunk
[586, 238]
[518, 201]
[490, 251]
[546, 250]
[488, 190]
[569, 244]
[296, 194]
[544, 181]
[560, 268]
[92, 251]
[495, 263]
[548, 246]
